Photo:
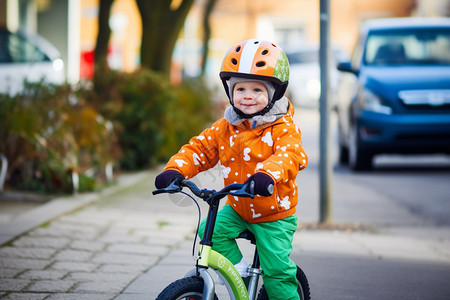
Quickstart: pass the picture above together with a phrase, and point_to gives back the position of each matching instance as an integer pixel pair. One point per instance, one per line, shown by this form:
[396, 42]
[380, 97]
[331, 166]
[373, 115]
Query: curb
[63, 205]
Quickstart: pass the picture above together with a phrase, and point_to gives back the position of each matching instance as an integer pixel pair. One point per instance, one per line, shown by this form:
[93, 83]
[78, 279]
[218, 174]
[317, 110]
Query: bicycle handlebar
[235, 189]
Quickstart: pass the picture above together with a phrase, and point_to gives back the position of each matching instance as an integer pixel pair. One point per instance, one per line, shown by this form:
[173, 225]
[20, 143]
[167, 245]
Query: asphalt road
[404, 196]
[349, 277]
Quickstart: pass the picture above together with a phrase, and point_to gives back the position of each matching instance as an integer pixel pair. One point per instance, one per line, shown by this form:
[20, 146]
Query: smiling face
[250, 96]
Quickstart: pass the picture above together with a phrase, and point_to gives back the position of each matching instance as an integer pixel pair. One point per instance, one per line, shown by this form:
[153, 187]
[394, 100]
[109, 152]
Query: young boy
[257, 141]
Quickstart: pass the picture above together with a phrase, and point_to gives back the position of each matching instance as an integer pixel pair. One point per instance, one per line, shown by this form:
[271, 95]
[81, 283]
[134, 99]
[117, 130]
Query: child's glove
[263, 184]
[164, 179]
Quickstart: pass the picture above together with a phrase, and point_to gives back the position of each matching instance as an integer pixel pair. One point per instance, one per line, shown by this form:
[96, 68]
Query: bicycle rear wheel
[189, 288]
[303, 287]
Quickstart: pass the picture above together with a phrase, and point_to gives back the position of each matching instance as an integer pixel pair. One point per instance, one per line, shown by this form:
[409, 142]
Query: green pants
[274, 242]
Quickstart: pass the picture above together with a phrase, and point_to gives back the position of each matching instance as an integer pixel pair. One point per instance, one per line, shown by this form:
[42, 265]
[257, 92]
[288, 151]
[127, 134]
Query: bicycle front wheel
[183, 289]
[303, 287]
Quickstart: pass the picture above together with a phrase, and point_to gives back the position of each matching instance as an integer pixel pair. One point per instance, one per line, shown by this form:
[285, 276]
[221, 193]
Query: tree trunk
[206, 32]
[161, 26]
[104, 33]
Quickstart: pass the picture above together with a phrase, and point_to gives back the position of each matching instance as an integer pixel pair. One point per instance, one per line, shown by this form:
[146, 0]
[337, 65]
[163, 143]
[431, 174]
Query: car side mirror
[346, 66]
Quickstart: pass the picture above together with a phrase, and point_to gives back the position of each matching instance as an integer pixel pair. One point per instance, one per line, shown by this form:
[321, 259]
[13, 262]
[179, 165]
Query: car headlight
[371, 102]
[58, 64]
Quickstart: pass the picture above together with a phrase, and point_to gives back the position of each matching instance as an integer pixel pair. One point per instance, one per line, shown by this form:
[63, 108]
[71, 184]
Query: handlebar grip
[156, 192]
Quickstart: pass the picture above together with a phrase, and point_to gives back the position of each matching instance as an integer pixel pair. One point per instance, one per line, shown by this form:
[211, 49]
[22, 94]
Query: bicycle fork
[209, 258]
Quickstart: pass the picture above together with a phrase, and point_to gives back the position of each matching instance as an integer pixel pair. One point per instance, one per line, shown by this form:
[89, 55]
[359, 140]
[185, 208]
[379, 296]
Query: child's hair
[256, 60]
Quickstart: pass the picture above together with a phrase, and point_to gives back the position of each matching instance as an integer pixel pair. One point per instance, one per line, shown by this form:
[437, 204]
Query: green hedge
[134, 120]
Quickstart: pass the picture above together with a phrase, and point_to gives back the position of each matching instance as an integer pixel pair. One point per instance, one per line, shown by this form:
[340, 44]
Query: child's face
[250, 96]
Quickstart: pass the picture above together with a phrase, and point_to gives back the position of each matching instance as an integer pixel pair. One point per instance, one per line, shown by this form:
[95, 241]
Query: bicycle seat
[248, 235]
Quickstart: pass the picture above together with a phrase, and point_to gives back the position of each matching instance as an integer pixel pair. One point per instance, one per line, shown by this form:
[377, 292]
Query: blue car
[394, 93]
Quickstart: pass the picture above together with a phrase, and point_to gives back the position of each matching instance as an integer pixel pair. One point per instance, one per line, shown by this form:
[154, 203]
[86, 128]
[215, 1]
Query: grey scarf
[279, 109]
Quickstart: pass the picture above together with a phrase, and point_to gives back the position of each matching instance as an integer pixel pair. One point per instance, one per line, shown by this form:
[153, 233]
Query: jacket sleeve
[200, 154]
[288, 158]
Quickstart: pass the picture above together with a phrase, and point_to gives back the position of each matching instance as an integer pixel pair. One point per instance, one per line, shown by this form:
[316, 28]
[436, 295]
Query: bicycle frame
[212, 259]
[209, 258]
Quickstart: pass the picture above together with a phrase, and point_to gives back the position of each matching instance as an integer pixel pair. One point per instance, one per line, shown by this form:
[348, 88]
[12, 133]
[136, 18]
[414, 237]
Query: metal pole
[325, 163]
[4, 168]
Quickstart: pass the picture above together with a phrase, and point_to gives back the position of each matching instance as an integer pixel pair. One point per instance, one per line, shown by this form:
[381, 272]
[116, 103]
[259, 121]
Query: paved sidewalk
[126, 244]
[90, 247]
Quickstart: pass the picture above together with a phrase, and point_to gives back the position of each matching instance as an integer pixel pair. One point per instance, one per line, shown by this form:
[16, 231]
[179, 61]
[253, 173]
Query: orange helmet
[257, 59]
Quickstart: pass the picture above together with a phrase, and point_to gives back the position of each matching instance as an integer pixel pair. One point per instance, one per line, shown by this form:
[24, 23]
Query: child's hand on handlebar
[164, 179]
[260, 184]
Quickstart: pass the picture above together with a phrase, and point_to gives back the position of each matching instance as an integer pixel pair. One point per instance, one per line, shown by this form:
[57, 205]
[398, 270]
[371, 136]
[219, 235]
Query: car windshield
[15, 49]
[408, 47]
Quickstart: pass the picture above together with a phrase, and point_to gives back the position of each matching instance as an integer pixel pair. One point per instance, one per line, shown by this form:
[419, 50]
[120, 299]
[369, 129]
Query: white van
[27, 57]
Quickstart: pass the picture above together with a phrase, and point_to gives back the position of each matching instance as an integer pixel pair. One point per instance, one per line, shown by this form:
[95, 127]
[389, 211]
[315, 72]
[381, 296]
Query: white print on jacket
[253, 212]
[246, 152]
[180, 162]
[275, 174]
[268, 139]
[225, 171]
[200, 137]
[231, 141]
[196, 159]
[285, 202]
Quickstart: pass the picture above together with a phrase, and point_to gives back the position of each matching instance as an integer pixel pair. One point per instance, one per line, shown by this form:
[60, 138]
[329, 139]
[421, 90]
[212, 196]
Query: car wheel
[360, 159]
[343, 149]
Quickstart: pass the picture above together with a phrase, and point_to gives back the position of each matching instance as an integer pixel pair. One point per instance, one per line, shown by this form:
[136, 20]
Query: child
[257, 141]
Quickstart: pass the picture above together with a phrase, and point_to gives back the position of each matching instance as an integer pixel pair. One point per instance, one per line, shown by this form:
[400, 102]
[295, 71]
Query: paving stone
[115, 268]
[14, 285]
[98, 276]
[51, 286]
[99, 287]
[128, 259]
[9, 273]
[120, 238]
[65, 230]
[15, 252]
[43, 242]
[80, 296]
[43, 274]
[87, 219]
[138, 249]
[23, 263]
[93, 246]
[25, 296]
[74, 266]
[163, 241]
[173, 235]
[73, 255]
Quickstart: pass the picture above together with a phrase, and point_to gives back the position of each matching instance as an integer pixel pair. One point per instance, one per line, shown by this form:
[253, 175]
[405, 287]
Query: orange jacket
[275, 149]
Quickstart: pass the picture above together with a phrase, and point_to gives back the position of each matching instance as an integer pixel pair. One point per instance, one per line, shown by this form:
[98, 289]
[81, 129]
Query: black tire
[360, 159]
[303, 287]
[343, 149]
[343, 155]
[185, 288]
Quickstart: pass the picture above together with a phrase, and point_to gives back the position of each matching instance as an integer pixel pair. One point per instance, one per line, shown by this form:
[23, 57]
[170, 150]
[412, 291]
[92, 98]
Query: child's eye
[240, 89]
[257, 90]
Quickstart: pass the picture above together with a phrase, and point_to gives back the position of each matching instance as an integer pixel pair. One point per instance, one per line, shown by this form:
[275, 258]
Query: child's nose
[248, 95]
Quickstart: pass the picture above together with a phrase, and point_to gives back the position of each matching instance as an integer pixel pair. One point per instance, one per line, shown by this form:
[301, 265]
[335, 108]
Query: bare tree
[104, 33]
[206, 32]
[161, 25]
